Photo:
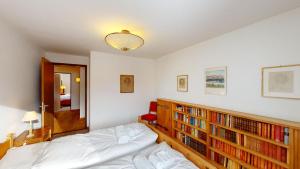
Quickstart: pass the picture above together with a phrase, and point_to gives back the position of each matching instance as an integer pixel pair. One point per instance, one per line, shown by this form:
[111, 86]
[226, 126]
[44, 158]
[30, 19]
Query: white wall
[271, 42]
[74, 59]
[109, 107]
[19, 72]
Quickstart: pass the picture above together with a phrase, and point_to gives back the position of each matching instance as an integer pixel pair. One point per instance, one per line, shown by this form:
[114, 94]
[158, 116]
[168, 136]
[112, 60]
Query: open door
[47, 90]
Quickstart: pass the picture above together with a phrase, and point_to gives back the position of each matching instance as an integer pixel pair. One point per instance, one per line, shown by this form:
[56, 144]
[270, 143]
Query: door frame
[86, 78]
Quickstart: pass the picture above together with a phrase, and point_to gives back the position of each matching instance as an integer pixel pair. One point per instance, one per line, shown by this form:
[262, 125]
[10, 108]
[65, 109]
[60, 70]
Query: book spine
[286, 136]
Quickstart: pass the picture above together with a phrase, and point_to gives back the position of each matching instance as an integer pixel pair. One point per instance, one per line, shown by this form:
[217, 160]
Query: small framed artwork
[182, 83]
[281, 81]
[126, 83]
[216, 81]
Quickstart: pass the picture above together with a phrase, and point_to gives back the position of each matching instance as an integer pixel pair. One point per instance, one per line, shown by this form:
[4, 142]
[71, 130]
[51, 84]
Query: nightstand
[40, 135]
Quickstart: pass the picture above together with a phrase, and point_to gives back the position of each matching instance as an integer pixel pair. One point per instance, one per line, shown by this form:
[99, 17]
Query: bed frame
[6, 145]
[189, 154]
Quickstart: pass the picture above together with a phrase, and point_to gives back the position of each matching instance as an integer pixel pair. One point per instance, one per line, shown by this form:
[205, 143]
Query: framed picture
[182, 83]
[216, 81]
[281, 81]
[126, 83]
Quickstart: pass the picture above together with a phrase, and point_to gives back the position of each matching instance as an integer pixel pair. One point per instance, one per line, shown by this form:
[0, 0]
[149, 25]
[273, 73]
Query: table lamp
[29, 117]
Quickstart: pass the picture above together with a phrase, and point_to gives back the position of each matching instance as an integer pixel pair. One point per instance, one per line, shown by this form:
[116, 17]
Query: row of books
[224, 161]
[192, 143]
[196, 112]
[222, 119]
[180, 107]
[269, 131]
[271, 150]
[268, 149]
[192, 111]
[244, 156]
[274, 132]
[192, 131]
[190, 120]
[223, 133]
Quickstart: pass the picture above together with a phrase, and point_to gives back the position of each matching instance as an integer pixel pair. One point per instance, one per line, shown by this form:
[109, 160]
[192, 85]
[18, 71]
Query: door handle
[43, 106]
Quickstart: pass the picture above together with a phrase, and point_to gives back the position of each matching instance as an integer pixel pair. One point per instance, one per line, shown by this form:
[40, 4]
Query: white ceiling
[79, 26]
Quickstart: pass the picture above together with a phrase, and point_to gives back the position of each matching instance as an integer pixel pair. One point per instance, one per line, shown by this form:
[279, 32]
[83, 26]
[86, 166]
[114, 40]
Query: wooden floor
[69, 120]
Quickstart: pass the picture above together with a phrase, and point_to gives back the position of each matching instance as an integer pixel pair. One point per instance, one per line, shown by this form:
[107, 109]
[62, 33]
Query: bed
[65, 100]
[81, 150]
[30, 156]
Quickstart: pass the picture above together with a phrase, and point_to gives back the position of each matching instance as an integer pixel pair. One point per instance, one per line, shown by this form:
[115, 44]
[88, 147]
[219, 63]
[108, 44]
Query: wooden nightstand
[40, 135]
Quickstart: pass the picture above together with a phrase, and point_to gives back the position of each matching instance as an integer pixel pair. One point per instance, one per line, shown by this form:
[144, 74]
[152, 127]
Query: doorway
[66, 112]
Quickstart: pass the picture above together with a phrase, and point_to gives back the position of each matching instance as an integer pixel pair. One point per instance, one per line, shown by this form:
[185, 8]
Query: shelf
[252, 135]
[194, 111]
[232, 158]
[250, 151]
[191, 149]
[198, 139]
[219, 166]
[197, 117]
[195, 127]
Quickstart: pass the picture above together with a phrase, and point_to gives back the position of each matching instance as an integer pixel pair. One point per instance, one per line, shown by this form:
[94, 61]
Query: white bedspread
[21, 157]
[141, 160]
[84, 150]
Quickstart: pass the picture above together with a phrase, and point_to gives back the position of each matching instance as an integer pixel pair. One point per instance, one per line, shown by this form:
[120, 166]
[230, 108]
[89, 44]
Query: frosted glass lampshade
[124, 40]
[30, 116]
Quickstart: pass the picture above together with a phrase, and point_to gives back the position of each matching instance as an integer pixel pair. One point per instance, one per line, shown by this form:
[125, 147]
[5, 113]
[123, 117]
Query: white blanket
[21, 157]
[141, 159]
[83, 150]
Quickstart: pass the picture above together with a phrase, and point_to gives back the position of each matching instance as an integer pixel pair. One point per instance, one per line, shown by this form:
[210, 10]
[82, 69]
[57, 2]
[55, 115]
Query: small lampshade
[62, 87]
[30, 116]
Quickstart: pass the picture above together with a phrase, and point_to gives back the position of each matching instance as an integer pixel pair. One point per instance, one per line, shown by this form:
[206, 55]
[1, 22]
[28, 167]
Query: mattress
[140, 160]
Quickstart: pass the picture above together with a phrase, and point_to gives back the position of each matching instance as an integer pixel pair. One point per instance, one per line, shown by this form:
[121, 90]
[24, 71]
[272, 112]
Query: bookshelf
[235, 140]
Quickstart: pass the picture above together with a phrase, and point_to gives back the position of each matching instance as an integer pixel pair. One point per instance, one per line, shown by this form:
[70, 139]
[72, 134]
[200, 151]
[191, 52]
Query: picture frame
[182, 83]
[216, 81]
[126, 83]
[281, 82]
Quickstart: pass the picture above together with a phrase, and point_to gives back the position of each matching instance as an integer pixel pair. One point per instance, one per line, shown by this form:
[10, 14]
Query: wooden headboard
[6, 145]
[195, 158]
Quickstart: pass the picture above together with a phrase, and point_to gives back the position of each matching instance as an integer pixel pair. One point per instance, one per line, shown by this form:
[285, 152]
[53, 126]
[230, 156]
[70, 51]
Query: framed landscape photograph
[126, 83]
[216, 81]
[281, 81]
[182, 83]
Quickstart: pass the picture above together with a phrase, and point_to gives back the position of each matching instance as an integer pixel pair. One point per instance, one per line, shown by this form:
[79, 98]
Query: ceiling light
[124, 40]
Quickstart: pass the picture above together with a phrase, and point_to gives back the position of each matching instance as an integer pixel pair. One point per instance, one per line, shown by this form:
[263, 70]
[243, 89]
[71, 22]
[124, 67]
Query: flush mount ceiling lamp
[124, 40]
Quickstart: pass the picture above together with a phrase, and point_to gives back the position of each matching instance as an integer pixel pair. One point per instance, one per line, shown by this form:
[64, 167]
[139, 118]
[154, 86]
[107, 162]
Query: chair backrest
[153, 107]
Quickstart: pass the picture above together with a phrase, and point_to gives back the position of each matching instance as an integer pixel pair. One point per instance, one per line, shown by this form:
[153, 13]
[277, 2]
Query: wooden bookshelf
[234, 139]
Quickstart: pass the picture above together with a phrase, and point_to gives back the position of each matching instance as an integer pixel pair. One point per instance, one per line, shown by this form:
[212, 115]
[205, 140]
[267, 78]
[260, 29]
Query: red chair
[150, 117]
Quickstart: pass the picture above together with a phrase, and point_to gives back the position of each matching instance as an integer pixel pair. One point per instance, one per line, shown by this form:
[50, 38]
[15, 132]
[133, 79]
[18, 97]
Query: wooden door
[164, 116]
[47, 93]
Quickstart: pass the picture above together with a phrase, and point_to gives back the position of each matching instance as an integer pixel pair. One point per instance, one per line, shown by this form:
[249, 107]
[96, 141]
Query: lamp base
[30, 135]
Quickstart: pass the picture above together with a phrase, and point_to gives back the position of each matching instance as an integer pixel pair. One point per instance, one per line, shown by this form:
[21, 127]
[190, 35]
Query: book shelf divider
[208, 129]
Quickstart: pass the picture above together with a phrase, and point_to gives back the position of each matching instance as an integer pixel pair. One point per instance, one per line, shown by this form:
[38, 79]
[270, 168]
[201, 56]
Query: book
[286, 136]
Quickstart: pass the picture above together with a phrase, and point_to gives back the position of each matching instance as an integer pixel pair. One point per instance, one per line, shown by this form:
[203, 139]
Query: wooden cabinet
[164, 113]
